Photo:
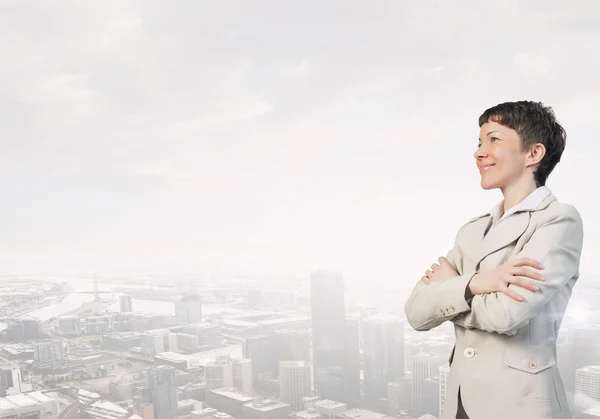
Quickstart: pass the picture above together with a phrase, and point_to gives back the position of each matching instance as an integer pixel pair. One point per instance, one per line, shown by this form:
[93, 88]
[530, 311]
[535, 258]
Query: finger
[434, 267]
[528, 262]
[442, 260]
[523, 283]
[428, 273]
[510, 293]
[527, 273]
[425, 279]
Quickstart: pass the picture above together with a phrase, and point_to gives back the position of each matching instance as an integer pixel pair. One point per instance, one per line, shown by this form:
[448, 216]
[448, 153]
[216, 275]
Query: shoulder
[559, 211]
[561, 220]
[471, 223]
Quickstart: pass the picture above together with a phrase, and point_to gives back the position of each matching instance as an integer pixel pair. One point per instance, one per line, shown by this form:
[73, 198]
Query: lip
[485, 167]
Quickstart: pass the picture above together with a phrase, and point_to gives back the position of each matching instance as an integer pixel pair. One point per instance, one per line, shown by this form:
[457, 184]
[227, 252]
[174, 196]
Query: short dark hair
[535, 123]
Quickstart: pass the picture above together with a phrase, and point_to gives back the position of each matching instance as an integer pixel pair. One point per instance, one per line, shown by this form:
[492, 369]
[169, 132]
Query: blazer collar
[479, 244]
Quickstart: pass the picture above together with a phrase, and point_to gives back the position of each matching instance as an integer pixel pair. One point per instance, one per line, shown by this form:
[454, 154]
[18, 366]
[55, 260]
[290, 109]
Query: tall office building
[383, 357]
[125, 304]
[294, 383]
[400, 396]
[11, 380]
[189, 309]
[163, 391]
[261, 351]
[587, 388]
[444, 375]
[328, 326]
[291, 345]
[352, 363]
[48, 353]
[425, 367]
[225, 371]
[156, 341]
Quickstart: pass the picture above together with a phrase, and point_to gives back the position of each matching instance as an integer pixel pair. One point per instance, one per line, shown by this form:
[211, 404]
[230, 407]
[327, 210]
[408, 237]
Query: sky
[274, 138]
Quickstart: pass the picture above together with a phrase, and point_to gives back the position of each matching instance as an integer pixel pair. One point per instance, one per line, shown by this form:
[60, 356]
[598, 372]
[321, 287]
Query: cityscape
[179, 350]
[218, 209]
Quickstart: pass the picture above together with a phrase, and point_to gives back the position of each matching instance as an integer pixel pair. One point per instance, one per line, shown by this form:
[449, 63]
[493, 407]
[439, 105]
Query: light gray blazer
[504, 358]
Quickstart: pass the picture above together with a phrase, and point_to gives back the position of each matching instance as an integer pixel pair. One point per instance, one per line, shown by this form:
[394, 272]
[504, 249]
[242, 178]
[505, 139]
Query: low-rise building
[32, 405]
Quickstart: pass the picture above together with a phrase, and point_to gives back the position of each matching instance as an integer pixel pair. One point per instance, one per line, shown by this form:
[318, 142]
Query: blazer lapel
[506, 232]
[474, 235]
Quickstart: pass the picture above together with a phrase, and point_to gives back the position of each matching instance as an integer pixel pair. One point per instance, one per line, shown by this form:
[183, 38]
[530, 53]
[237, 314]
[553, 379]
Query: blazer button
[469, 352]
[452, 309]
[532, 365]
[442, 312]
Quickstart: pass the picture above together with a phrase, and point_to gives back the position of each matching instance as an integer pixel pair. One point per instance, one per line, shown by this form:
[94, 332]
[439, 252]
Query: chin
[486, 186]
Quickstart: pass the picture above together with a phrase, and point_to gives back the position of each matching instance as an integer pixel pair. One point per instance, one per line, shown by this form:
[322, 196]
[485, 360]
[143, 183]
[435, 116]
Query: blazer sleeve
[428, 306]
[556, 244]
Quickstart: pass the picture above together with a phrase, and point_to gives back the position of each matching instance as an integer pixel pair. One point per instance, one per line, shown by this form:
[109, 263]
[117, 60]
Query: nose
[481, 152]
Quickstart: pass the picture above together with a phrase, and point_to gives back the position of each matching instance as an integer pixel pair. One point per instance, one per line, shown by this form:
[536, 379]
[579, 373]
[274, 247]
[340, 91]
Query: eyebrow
[479, 139]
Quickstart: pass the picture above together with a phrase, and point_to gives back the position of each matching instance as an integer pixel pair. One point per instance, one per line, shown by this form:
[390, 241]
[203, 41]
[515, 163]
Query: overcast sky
[274, 136]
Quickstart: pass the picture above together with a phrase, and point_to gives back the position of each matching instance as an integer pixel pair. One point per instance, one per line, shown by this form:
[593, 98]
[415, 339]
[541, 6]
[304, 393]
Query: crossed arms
[556, 245]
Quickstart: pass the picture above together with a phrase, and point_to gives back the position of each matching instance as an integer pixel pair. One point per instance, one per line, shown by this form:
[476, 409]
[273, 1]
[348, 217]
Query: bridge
[82, 292]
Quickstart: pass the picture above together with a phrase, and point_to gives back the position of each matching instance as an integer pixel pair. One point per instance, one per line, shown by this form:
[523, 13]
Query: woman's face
[499, 156]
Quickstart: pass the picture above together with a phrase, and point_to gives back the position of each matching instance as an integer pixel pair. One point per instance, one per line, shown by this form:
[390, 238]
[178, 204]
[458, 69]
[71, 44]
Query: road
[70, 412]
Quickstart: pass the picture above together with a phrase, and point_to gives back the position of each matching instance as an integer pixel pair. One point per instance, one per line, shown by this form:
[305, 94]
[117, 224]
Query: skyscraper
[587, 388]
[163, 391]
[444, 375]
[383, 356]
[125, 304]
[425, 370]
[225, 371]
[294, 382]
[352, 363]
[189, 309]
[332, 338]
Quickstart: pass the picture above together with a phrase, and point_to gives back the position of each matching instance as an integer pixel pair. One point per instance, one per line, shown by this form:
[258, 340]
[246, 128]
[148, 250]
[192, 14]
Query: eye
[494, 138]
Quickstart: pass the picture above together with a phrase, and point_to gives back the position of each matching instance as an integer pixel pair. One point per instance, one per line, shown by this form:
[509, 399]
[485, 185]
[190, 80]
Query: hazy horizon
[274, 137]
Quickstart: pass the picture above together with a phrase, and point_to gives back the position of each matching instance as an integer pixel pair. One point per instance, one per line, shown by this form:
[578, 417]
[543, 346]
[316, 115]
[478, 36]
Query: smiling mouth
[485, 168]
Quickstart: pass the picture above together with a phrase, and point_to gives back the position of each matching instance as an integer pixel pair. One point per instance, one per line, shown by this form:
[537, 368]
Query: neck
[517, 192]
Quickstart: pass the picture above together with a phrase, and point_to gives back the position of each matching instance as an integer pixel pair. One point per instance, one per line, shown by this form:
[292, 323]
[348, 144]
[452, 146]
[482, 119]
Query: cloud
[301, 70]
[275, 135]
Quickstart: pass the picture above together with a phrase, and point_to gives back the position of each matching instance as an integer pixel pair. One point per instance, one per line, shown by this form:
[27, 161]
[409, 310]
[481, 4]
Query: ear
[535, 154]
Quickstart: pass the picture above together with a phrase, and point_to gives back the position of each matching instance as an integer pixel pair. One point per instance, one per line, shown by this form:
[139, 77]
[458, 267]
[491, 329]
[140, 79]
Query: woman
[506, 283]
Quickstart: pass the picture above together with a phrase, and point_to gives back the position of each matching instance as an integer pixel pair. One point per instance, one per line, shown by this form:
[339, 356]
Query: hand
[439, 272]
[512, 272]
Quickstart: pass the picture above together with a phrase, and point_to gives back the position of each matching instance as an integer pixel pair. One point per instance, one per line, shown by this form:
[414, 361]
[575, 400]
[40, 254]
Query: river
[75, 300]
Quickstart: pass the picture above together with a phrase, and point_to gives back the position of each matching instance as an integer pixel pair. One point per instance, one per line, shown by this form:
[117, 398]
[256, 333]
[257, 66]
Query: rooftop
[233, 393]
[187, 402]
[265, 405]
[174, 356]
[205, 357]
[308, 414]
[157, 332]
[283, 320]
[30, 399]
[23, 400]
[294, 363]
[328, 404]
[363, 414]
[109, 406]
[86, 393]
[590, 368]
[237, 323]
